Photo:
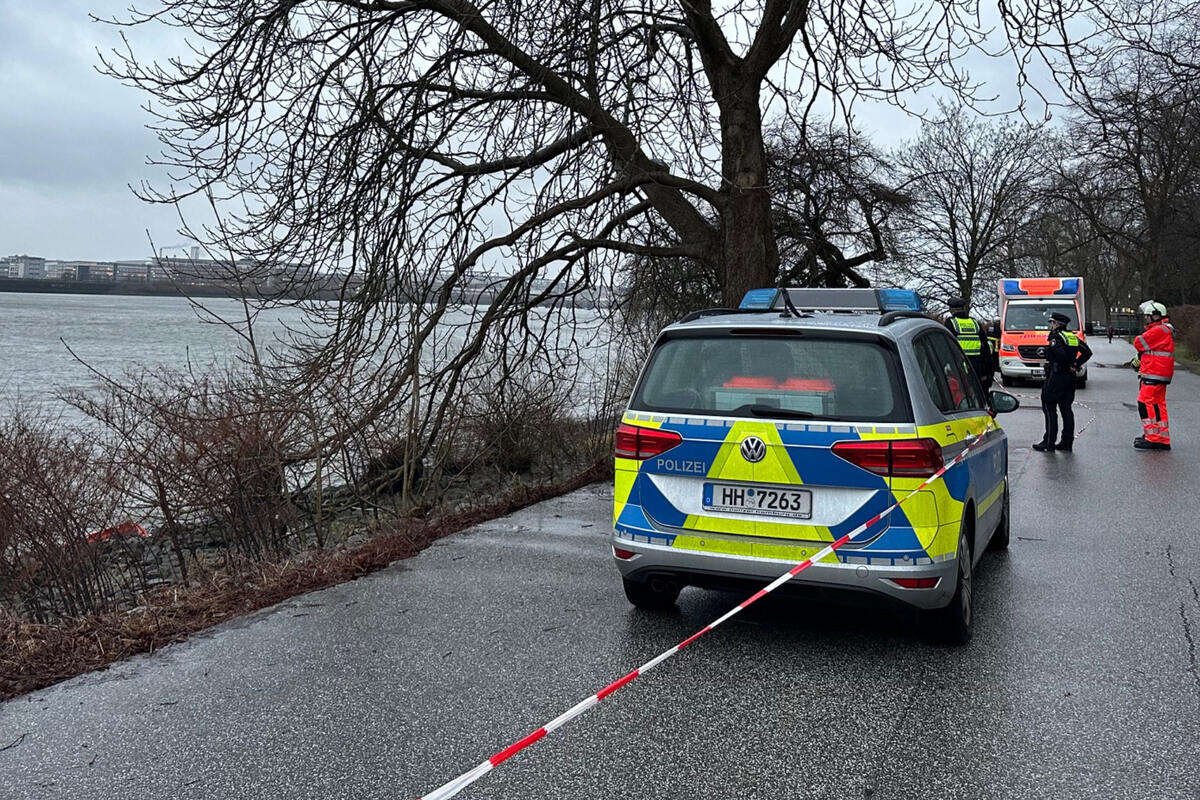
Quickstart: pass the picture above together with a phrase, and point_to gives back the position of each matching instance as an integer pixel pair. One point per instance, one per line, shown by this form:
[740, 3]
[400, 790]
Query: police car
[755, 436]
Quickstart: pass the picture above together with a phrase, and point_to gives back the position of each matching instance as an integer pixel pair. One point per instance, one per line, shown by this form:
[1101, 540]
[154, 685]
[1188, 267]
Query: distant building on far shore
[80, 270]
[131, 270]
[24, 267]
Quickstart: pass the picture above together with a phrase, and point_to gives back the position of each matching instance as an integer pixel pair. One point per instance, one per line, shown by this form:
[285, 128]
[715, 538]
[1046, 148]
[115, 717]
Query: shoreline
[67, 286]
[145, 289]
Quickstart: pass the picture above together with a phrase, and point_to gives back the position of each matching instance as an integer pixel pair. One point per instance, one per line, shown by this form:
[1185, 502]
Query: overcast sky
[72, 140]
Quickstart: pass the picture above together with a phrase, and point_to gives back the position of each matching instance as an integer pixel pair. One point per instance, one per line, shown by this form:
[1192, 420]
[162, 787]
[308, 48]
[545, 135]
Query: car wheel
[652, 596]
[1000, 537]
[952, 624]
[1007, 381]
[1081, 382]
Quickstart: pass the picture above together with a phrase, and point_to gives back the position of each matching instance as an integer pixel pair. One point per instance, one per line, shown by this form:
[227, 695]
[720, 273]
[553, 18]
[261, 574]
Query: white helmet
[1151, 307]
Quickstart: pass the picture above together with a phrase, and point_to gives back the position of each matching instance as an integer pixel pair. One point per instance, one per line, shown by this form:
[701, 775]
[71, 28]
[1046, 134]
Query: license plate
[793, 503]
[1037, 373]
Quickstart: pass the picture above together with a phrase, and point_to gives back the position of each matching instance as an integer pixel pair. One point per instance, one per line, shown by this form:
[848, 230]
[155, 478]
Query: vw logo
[753, 449]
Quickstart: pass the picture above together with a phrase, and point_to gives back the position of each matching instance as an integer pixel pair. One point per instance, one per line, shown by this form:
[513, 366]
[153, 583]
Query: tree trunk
[750, 255]
[966, 289]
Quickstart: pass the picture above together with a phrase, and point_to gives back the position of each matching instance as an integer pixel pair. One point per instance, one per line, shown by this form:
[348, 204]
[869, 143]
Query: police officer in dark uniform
[1065, 353]
[972, 338]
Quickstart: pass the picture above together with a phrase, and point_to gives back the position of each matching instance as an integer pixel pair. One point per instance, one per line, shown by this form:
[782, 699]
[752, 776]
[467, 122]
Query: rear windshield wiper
[762, 410]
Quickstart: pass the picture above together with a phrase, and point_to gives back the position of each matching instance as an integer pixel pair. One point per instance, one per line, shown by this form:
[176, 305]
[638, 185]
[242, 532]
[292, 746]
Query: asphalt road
[1081, 681]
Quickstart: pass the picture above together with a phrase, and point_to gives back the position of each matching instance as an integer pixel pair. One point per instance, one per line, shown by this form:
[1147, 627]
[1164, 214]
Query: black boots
[1141, 443]
[1064, 446]
[1043, 447]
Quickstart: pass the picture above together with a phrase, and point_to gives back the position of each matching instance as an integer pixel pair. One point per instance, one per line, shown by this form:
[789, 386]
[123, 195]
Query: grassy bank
[1186, 358]
[36, 655]
[1186, 320]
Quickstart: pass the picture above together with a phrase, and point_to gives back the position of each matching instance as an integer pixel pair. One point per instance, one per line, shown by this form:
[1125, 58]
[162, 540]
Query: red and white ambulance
[1025, 308]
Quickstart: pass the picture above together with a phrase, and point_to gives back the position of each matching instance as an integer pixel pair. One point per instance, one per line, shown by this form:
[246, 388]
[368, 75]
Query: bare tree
[834, 199]
[1069, 239]
[832, 206]
[413, 146]
[974, 182]
[1133, 173]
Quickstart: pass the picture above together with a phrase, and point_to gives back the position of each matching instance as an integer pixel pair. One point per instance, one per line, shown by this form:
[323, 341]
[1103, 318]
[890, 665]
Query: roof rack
[712, 312]
[904, 313]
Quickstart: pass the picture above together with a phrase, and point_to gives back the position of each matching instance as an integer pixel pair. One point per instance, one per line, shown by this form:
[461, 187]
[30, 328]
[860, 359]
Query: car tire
[1007, 381]
[1000, 537]
[952, 624]
[1081, 382]
[649, 597]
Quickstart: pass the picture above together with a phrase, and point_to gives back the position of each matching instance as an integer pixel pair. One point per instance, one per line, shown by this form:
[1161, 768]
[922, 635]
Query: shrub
[57, 492]
[387, 463]
[512, 421]
[206, 454]
[1186, 320]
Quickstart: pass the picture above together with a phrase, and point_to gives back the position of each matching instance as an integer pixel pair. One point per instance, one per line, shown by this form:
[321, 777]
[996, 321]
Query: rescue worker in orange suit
[1156, 367]
[972, 338]
[1065, 353]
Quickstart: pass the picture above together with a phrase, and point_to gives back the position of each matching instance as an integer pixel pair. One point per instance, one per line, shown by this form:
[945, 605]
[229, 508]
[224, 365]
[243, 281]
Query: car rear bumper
[696, 568]
[1016, 368]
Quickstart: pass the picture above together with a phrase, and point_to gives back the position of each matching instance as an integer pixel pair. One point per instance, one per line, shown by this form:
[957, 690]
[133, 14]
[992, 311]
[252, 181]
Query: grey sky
[71, 140]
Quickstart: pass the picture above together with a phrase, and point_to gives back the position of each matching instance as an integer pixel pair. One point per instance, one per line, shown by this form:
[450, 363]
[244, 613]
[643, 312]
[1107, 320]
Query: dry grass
[1186, 320]
[33, 656]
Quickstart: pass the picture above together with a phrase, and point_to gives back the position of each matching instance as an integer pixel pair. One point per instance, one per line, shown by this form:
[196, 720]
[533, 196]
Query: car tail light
[873, 456]
[632, 441]
[916, 457]
[901, 458]
[623, 554]
[915, 583]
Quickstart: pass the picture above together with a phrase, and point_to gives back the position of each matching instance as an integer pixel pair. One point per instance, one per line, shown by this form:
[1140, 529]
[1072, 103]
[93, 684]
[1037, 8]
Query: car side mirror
[1003, 402]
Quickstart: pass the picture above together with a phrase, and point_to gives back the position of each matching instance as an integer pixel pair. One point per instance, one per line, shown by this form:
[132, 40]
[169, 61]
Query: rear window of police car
[843, 379]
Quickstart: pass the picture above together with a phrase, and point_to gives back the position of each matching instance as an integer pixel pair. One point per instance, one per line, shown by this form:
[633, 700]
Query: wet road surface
[1081, 681]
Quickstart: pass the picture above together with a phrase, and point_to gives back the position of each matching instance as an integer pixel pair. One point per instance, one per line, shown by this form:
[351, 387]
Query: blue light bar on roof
[1069, 286]
[899, 300]
[835, 300]
[759, 299]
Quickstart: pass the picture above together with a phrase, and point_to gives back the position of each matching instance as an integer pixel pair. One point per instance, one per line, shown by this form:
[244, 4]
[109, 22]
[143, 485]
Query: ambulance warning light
[1040, 287]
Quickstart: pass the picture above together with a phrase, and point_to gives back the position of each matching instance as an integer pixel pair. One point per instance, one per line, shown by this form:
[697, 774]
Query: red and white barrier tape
[1080, 403]
[455, 786]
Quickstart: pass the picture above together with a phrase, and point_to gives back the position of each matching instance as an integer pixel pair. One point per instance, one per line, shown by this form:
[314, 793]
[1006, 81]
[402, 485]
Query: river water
[112, 334]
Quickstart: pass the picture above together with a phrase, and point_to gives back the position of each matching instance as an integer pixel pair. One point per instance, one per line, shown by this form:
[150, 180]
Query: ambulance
[1025, 308]
[756, 436]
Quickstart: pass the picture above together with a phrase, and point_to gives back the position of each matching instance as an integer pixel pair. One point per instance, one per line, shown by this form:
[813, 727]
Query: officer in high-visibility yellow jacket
[972, 338]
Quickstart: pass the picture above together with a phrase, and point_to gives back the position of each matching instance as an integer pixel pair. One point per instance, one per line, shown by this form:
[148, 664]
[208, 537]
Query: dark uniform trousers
[1058, 393]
